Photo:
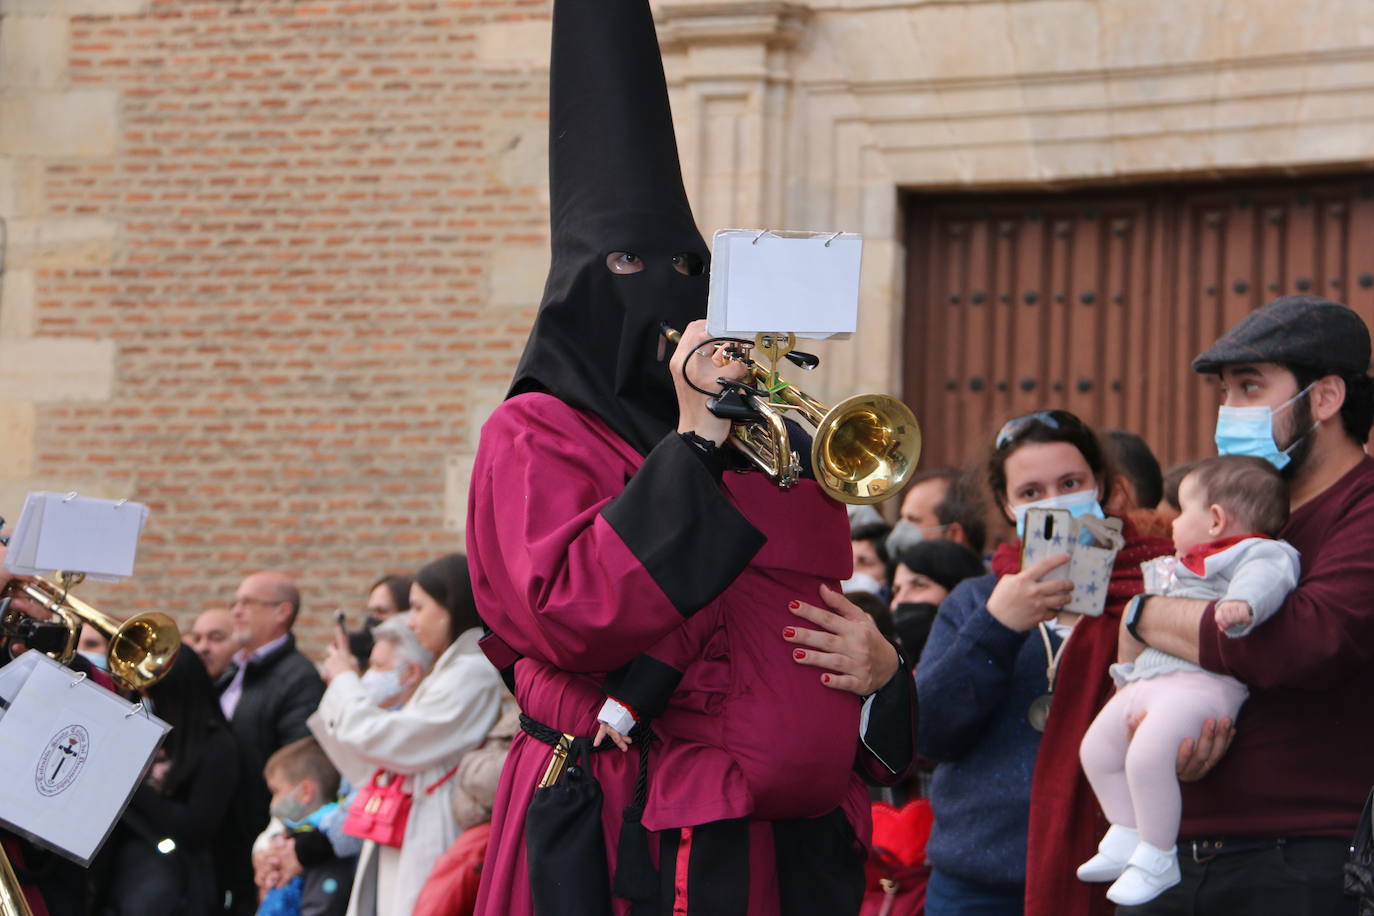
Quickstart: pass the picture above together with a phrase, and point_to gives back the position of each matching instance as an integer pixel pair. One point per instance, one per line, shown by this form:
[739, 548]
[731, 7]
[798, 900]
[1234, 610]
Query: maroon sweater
[1303, 758]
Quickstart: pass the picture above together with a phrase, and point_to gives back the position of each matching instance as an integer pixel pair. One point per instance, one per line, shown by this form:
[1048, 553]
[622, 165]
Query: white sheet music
[56, 531]
[803, 282]
[72, 753]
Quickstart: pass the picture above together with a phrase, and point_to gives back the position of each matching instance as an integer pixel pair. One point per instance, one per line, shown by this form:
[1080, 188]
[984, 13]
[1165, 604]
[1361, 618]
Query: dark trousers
[948, 895]
[704, 870]
[1298, 876]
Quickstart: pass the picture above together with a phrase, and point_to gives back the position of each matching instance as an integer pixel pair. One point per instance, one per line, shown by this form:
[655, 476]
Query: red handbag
[380, 811]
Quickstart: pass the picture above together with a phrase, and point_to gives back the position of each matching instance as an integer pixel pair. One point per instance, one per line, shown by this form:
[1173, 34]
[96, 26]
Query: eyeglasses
[1017, 426]
[248, 599]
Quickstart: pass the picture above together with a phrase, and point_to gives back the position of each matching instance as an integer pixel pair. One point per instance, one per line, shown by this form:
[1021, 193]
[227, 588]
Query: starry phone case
[1092, 543]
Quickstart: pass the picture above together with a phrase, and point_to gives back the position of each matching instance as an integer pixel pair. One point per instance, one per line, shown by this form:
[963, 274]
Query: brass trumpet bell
[865, 448]
[142, 648]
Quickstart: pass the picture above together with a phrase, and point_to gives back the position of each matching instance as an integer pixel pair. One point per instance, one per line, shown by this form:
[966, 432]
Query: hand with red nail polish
[846, 645]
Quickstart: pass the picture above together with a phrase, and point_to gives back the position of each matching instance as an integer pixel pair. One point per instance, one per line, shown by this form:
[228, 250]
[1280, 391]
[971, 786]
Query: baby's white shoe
[1112, 854]
[1149, 872]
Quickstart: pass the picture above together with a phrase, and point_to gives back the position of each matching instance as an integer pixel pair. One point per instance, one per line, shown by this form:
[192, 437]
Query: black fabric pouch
[565, 843]
[1359, 864]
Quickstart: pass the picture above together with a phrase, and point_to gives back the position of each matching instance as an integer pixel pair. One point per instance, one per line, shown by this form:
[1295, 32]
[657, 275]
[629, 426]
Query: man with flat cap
[1267, 825]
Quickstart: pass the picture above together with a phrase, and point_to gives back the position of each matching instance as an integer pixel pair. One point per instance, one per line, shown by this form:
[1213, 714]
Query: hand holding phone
[340, 630]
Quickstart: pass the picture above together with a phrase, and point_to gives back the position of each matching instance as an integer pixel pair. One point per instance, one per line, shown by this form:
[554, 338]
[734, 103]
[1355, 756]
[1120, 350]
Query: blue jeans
[947, 895]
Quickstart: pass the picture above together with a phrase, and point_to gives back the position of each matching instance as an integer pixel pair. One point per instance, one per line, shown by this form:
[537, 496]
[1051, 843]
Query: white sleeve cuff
[617, 716]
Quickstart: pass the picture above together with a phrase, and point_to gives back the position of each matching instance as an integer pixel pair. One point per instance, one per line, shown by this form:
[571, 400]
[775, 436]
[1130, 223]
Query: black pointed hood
[616, 186]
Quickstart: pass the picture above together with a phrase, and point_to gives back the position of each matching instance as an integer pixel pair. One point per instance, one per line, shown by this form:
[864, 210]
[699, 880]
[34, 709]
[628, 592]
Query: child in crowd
[314, 860]
[1232, 508]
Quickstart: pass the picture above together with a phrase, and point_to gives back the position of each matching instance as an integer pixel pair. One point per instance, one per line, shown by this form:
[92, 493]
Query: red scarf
[1196, 559]
[1066, 823]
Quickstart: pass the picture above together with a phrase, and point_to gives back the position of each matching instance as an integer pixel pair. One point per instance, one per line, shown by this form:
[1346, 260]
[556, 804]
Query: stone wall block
[46, 370]
[522, 45]
[79, 124]
[517, 274]
[1141, 33]
[61, 242]
[1055, 36]
[10, 188]
[457, 481]
[74, 7]
[33, 51]
[16, 303]
[16, 431]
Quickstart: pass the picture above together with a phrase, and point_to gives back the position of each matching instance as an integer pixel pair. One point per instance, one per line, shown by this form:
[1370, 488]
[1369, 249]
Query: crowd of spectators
[255, 802]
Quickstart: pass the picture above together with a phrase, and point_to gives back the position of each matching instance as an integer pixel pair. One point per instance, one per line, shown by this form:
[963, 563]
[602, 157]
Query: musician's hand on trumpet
[704, 366]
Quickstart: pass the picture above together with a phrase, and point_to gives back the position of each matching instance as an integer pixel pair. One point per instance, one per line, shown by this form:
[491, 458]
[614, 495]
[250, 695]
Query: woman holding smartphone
[423, 740]
[1000, 647]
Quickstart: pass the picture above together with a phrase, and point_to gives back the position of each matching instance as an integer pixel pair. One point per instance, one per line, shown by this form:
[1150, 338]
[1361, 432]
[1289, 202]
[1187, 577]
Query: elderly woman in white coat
[449, 714]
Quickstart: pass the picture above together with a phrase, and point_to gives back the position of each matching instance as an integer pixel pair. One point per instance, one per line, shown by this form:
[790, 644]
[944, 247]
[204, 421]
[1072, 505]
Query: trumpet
[142, 648]
[863, 450]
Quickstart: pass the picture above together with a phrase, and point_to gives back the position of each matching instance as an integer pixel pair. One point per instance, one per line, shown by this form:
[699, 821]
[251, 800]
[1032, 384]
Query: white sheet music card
[98, 537]
[766, 280]
[72, 752]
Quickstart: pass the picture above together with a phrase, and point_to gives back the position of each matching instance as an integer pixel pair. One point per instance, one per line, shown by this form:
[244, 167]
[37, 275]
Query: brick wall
[299, 220]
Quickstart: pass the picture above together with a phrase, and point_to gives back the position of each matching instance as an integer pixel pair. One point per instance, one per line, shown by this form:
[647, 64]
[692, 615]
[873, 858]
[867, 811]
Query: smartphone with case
[1092, 544]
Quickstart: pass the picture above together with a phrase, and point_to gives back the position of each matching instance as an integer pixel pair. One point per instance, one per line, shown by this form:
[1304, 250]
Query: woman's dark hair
[448, 582]
[945, 563]
[1045, 426]
[398, 587]
[185, 699]
[1138, 464]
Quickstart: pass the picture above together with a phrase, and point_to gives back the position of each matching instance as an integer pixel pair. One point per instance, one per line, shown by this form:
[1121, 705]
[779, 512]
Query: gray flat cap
[1294, 330]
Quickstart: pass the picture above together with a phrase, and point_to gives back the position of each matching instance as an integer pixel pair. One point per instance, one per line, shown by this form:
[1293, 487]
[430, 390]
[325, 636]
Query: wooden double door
[1097, 302]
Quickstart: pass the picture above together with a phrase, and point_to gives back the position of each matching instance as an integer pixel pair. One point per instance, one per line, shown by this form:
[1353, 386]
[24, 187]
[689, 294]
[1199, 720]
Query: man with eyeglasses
[1266, 827]
[271, 689]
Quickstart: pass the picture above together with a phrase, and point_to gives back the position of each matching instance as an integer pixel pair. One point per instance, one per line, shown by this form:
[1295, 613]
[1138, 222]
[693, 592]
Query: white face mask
[1083, 502]
[381, 686]
[906, 534]
[862, 582]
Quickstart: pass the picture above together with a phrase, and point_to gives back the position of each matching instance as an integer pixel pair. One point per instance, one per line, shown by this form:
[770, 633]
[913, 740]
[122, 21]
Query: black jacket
[280, 691]
[134, 878]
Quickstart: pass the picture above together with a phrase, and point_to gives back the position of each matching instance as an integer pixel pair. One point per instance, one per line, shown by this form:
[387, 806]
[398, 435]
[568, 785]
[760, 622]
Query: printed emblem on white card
[62, 760]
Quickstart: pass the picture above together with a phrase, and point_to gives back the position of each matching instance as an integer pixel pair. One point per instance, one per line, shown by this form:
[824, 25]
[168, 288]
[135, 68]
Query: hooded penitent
[626, 252]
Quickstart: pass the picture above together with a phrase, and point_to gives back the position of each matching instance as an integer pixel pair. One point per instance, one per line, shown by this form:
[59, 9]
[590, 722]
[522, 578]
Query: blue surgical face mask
[1082, 502]
[291, 810]
[1250, 431]
[98, 659]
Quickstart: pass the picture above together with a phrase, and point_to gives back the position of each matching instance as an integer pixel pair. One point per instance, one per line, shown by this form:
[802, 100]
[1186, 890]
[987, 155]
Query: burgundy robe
[585, 554]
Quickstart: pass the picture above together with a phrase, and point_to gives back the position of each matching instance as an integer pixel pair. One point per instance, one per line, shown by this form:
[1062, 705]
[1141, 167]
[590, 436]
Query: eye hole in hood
[624, 262]
[688, 263]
